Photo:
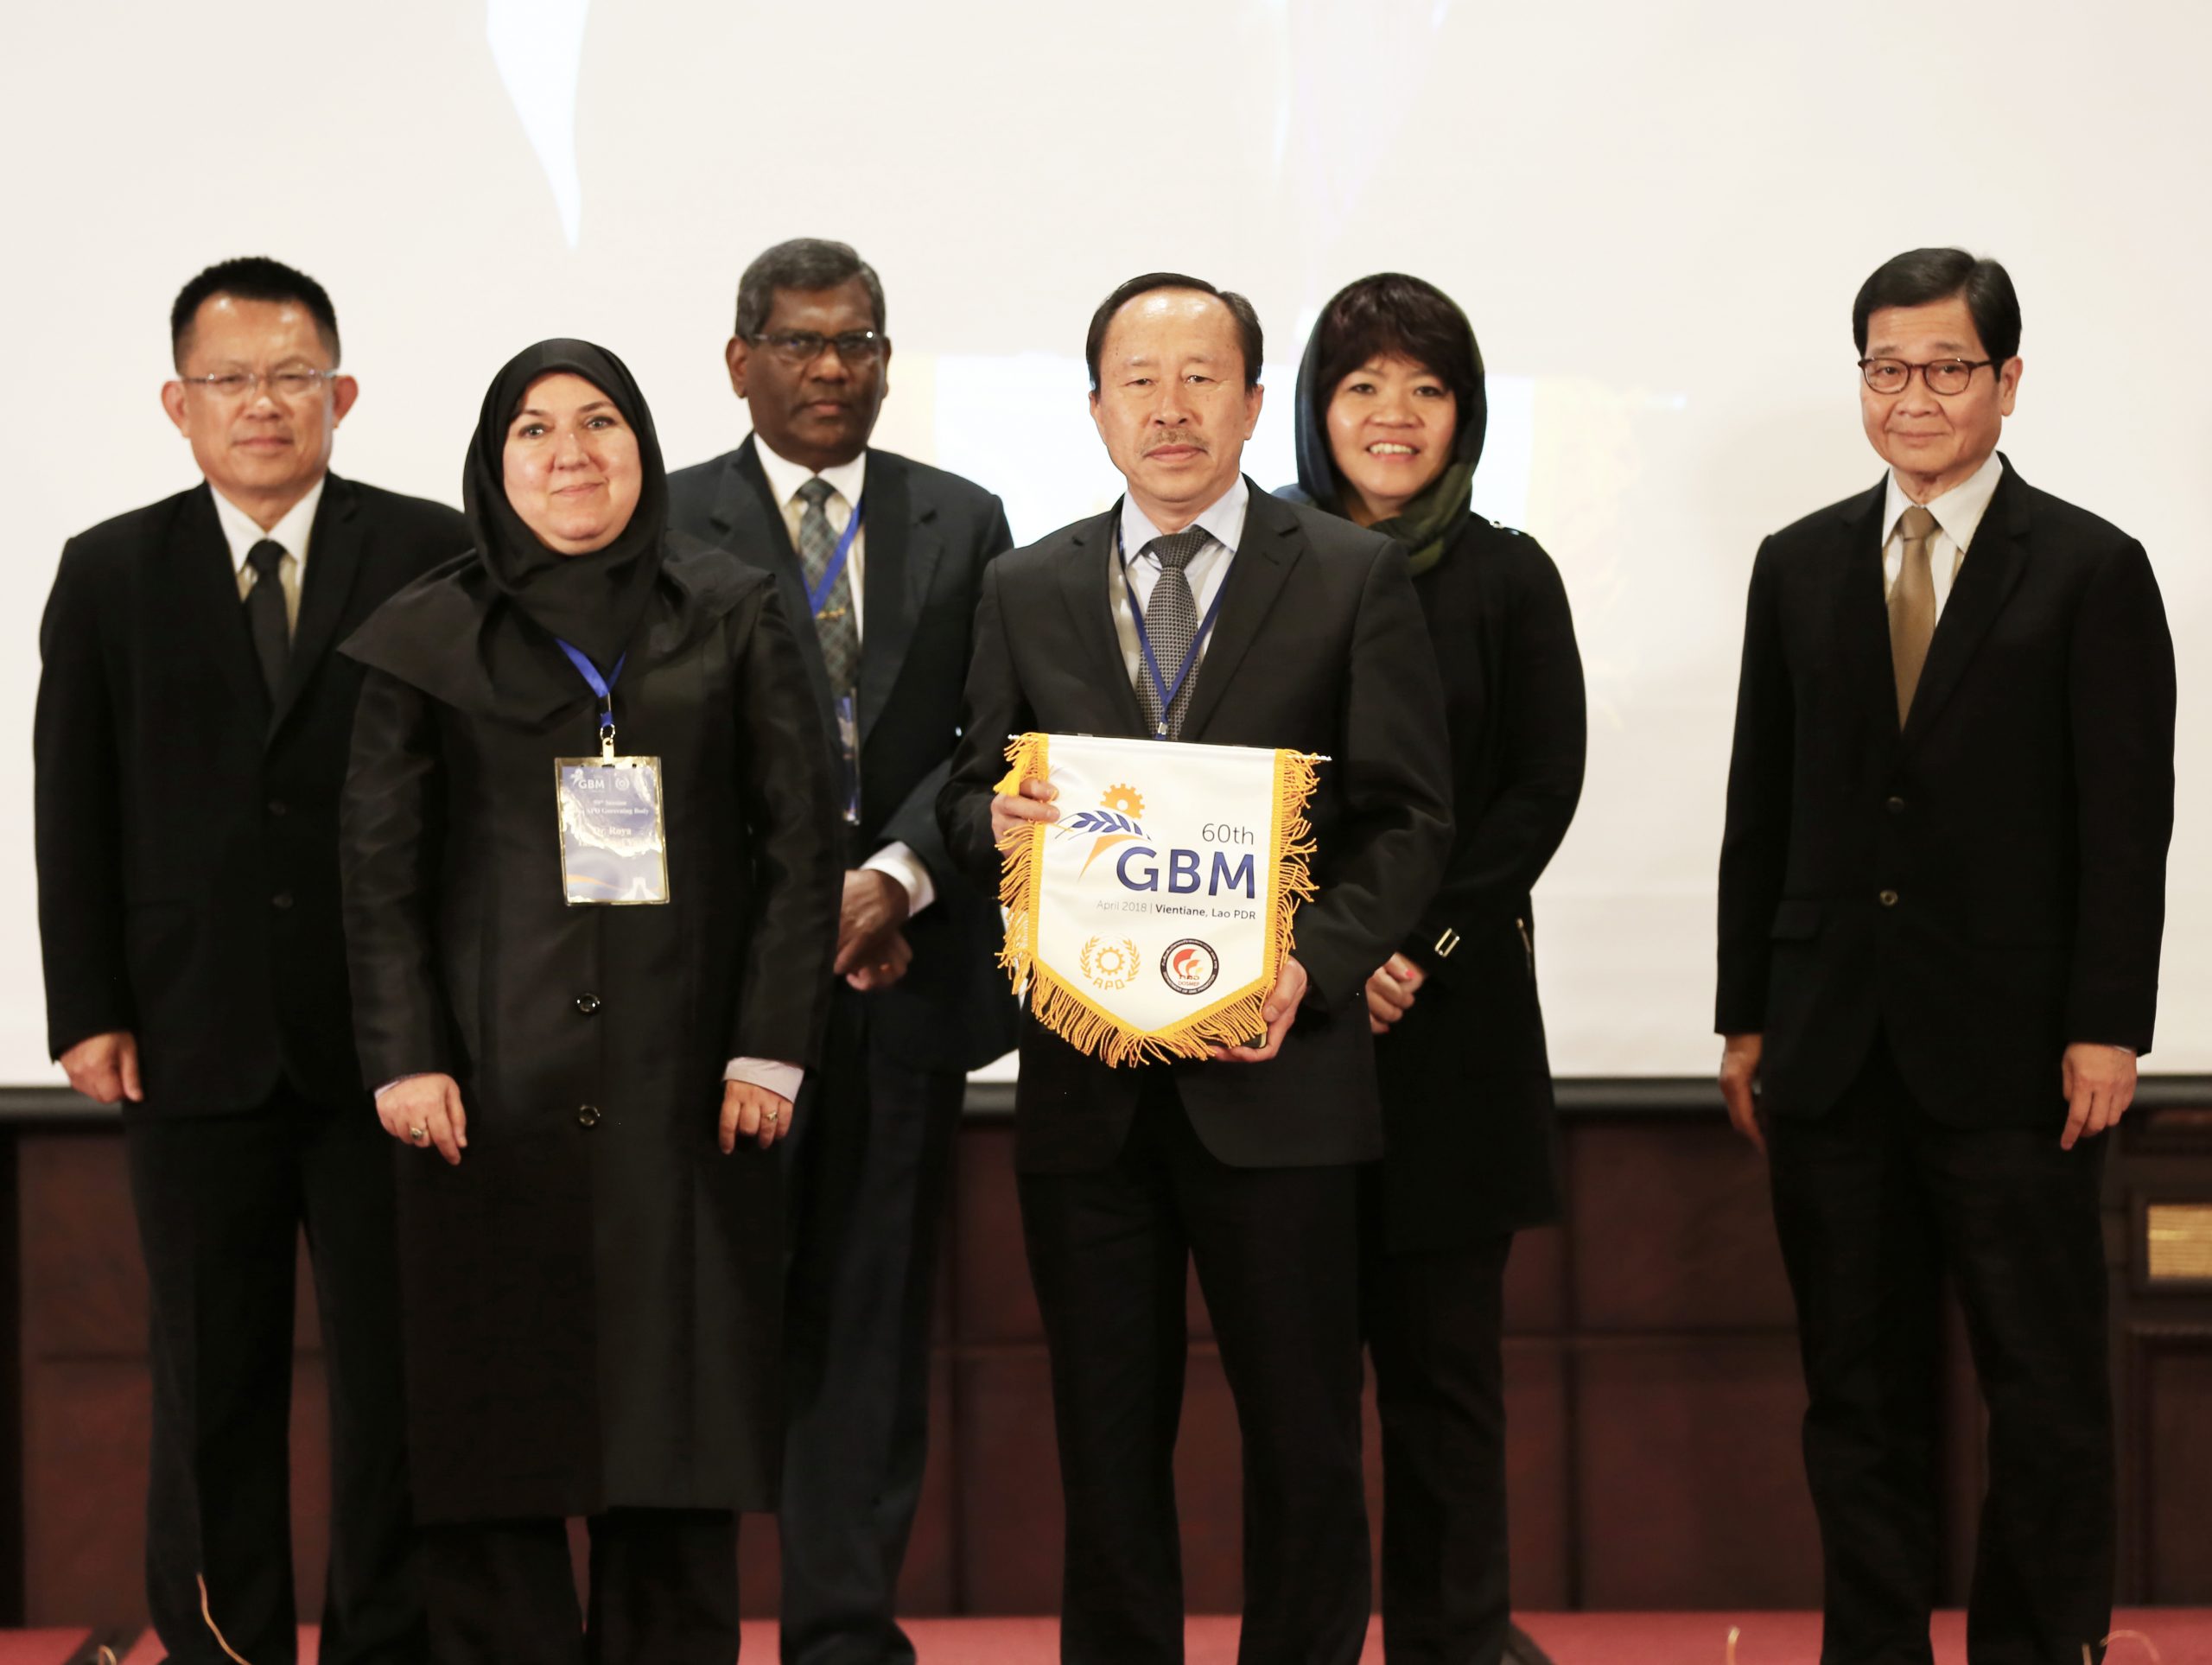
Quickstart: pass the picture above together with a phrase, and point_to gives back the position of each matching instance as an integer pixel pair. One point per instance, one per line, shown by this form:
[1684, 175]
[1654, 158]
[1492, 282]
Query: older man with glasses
[886, 556]
[1942, 889]
[191, 739]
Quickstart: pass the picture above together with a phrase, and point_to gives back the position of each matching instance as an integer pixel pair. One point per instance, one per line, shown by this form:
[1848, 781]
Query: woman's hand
[425, 1111]
[754, 1113]
[1390, 990]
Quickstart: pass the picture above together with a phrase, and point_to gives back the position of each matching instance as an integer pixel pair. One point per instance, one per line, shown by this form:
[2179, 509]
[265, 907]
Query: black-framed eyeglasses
[241, 384]
[804, 347]
[1943, 376]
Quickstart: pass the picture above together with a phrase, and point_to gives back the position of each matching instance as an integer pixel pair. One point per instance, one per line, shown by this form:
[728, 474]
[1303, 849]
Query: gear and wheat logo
[1113, 822]
[1109, 965]
[1190, 966]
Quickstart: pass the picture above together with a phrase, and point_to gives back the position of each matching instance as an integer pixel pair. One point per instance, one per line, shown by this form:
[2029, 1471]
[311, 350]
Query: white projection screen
[1656, 217]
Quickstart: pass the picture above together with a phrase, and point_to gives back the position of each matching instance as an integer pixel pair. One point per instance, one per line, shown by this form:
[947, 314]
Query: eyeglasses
[804, 347]
[284, 384]
[1943, 376]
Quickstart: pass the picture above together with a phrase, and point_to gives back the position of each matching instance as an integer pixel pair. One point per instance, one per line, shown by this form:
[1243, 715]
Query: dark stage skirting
[2179, 1636]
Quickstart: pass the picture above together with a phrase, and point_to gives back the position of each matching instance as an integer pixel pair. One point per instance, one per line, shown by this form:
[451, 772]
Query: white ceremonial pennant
[1150, 920]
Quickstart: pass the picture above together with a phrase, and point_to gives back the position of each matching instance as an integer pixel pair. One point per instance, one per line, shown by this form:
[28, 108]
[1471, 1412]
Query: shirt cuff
[395, 1080]
[781, 1080]
[910, 870]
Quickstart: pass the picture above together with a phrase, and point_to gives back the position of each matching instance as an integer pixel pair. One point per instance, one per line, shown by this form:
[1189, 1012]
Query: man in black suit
[1941, 893]
[886, 555]
[1248, 1162]
[191, 738]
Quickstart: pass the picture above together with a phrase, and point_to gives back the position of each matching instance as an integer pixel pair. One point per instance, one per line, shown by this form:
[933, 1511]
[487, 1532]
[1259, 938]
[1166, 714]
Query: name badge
[613, 841]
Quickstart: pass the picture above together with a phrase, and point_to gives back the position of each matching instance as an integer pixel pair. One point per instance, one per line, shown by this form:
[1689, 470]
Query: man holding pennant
[1200, 610]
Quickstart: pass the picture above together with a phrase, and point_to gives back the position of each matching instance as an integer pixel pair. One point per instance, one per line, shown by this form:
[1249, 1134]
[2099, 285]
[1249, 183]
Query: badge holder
[613, 840]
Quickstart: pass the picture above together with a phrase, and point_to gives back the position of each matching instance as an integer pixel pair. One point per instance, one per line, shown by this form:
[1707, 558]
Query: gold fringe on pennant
[1071, 1014]
[1027, 759]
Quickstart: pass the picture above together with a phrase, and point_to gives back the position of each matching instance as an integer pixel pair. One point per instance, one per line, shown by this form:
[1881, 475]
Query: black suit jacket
[188, 828]
[1319, 647]
[929, 537]
[1467, 1080]
[1987, 886]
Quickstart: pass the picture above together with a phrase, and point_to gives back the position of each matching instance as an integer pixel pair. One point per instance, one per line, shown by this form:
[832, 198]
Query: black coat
[187, 829]
[1987, 886]
[593, 1299]
[930, 535]
[1319, 647]
[1466, 1082]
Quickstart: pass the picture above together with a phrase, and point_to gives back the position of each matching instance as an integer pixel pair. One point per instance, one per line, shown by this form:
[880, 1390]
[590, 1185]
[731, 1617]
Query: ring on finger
[419, 1134]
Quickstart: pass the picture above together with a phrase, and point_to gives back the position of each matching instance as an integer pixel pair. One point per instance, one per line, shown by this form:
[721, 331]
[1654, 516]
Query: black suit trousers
[1434, 1320]
[870, 1158]
[662, 1591]
[221, 1201]
[1875, 1202]
[1277, 1256]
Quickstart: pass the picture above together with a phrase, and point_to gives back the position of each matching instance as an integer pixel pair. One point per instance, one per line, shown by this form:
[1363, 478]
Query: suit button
[1895, 806]
[1889, 899]
[587, 1115]
[277, 806]
[281, 898]
[588, 1004]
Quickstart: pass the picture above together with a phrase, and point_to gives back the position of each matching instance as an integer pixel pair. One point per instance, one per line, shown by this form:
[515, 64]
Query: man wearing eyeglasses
[192, 732]
[1943, 890]
[887, 556]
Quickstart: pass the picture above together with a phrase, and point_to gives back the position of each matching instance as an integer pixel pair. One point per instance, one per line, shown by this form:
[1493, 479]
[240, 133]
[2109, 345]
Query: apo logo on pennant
[1148, 922]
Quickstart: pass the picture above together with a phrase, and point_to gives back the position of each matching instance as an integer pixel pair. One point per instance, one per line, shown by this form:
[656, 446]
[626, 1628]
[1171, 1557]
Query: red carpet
[2182, 1637]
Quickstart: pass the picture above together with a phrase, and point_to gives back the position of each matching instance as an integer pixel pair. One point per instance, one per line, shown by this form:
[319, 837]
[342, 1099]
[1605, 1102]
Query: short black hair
[807, 263]
[1922, 275]
[1247, 319]
[1393, 313]
[252, 277]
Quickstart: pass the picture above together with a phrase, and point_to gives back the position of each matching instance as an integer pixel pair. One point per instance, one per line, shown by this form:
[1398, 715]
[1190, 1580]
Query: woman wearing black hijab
[1391, 418]
[591, 1258]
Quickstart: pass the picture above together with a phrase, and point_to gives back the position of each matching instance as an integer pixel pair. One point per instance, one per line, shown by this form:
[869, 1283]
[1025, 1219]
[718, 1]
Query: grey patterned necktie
[1171, 620]
[266, 616]
[834, 627]
[1912, 605]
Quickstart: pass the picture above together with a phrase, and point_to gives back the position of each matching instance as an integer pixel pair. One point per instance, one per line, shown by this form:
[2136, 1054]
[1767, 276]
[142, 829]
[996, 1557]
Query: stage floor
[2180, 1636]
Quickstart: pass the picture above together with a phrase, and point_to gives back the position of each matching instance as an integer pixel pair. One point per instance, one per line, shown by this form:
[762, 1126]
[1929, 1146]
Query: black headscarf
[1424, 526]
[596, 600]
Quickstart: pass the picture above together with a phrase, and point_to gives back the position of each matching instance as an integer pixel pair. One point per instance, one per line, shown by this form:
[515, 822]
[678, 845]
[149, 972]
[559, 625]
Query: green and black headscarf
[1390, 311]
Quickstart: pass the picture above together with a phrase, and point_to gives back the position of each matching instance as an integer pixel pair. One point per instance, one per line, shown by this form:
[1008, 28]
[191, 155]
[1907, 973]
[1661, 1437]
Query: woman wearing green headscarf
[1390, 416]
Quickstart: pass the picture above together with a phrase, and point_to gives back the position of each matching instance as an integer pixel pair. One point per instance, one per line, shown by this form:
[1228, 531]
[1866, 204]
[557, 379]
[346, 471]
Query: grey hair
[804, 263]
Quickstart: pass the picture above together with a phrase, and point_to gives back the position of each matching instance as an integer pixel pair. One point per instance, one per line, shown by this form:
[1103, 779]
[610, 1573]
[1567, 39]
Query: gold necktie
[1912, 606]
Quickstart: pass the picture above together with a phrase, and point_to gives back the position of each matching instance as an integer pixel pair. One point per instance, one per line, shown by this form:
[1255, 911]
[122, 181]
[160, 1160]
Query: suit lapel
[1986, 580]
[202, 584]
[333, 565]
[902, 556]
[1272, 545]
[1861, 611]
[749, 524]
[1089, 585]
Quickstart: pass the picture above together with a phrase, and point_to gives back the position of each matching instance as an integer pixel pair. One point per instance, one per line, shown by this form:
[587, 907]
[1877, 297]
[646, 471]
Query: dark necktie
[1912, 605]
[834, 627]
[264, 612]
[1171, 620]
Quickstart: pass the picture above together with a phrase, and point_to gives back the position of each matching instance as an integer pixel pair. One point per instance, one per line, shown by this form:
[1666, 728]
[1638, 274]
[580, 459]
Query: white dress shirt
[242, 532]
[848, 480]
[1224, 523]
[1958, 514]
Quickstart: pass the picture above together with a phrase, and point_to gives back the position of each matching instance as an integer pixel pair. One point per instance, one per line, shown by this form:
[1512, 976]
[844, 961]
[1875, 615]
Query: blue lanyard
[602, 686]
[817, 595]
[1166, 690]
